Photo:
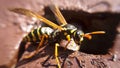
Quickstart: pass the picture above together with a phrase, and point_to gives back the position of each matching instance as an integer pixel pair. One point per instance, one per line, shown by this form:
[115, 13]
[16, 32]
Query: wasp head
[79, 35]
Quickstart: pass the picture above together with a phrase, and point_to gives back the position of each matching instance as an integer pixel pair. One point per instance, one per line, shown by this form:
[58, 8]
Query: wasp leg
[68, 38]
[41, 43]
[37, 50]
[56, 55]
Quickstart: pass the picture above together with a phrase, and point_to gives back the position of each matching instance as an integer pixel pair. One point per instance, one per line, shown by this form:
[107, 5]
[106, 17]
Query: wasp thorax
[69, 27]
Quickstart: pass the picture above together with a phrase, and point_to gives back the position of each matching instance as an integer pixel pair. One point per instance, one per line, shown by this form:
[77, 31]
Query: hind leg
[37, 50]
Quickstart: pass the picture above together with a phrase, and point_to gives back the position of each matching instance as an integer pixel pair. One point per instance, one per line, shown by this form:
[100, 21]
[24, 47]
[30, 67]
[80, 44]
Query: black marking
[30, 36]
[40, 32]
[36, 35]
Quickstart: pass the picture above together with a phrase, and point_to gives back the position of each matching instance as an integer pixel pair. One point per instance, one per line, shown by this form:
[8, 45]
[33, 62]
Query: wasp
[54, 33]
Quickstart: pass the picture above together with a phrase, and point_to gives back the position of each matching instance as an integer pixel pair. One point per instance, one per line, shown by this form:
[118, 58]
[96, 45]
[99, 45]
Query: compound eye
[80, 33]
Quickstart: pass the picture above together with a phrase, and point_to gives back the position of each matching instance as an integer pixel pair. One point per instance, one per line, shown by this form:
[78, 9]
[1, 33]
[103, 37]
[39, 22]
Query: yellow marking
[56, 55]
[68, 37]
[81, 39]
[38, 32]
[28, 38]
[74, 33]
[72, 30]
[34, 38]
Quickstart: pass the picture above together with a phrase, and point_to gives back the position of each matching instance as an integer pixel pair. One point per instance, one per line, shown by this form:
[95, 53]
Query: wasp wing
[58, 15]
[33, 14]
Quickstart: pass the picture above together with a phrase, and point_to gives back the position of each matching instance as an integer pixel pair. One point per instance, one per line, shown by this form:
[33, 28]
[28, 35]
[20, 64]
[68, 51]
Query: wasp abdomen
[36, 34]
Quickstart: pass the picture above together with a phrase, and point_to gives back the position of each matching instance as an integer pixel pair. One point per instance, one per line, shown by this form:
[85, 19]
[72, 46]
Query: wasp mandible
[54, 33]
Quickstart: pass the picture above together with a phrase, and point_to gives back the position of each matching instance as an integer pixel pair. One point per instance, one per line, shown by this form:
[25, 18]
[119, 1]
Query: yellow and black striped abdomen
[35, 35]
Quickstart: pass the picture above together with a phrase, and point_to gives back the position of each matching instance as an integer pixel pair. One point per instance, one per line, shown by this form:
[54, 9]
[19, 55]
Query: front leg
[56, 55]
[68, 39]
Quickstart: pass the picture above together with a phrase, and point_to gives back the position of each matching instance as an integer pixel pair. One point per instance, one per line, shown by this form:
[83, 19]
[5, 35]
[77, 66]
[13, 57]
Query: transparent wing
[33, 14]
[58, 14]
